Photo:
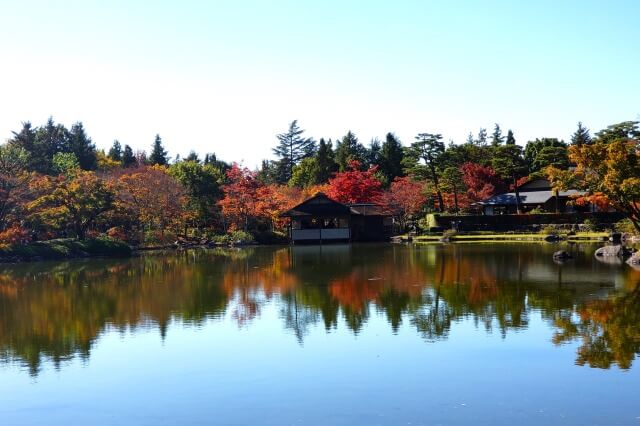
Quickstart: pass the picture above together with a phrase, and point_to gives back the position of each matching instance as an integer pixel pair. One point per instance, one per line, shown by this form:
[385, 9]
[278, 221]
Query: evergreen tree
[470, 140]
[624, 130]
[373, 153]
[291, 149]
[496, 136]
[128, 159]
[581, 136]
[212, 159]
[158, 153]
[349, 149]
[325, 161]
[115, 152]
[543, 152]
[511, 140]
[391, 156]
[268, 172]
[80, 144]
[482, 137]
[193, 156]
[25, 140]
[453, 183]
[424, 160]
[41, 144]
[508, 163]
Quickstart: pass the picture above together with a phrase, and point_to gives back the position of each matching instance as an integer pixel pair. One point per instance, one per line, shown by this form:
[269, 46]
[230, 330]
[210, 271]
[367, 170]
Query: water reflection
[57, 311]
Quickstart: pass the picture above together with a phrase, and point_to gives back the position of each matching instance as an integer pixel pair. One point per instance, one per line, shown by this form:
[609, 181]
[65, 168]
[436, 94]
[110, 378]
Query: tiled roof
[368, 210]
[529, 197]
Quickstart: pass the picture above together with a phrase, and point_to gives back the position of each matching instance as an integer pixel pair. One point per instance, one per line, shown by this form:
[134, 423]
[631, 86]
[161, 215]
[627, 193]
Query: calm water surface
[375, 335]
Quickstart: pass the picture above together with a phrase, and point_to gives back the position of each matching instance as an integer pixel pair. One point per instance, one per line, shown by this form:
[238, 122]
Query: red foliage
[241, 198]
[404, 198]
[276, 199]
[14, 235]
[355, 186]
[519, 183]
[450, 202]
[598, 199]
[482, 181]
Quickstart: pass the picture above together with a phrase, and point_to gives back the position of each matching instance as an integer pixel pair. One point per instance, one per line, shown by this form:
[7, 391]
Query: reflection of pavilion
[425, 288]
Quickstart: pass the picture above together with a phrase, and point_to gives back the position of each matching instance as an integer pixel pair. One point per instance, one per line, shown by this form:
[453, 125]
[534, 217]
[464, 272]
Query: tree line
[54, 182]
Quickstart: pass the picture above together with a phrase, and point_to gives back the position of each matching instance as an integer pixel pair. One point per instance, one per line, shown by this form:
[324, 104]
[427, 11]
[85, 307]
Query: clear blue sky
[226, 76]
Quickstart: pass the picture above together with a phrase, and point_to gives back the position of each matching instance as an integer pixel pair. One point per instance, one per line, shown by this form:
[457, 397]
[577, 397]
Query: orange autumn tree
[354, 185]
[73, 201]
[152, 200]
[273, 200]
[609, 171]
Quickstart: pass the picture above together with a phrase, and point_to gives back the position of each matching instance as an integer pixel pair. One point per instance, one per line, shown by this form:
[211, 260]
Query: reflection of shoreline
[59, 310]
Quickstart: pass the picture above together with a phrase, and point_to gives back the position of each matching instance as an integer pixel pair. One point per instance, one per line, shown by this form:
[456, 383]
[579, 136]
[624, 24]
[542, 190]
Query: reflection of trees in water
[59, 311]
[432, 315]
[609, 331]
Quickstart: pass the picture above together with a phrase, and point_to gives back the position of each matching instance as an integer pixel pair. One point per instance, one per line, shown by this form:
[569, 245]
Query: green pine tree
[115, 152]
[291, 149]
[496, 136]
[325, 161]
[158, 154]
[581, 136]
[391, 156]
[349, 149]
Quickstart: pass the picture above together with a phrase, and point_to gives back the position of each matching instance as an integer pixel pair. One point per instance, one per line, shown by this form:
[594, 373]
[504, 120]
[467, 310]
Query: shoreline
[65, 249]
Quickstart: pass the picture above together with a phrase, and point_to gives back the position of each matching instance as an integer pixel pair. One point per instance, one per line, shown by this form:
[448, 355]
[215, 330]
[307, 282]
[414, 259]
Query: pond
[365, 334]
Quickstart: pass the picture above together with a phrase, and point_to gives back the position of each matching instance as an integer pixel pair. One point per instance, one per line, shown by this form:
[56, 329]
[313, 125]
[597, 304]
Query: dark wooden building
[321, 219]
[534, 195]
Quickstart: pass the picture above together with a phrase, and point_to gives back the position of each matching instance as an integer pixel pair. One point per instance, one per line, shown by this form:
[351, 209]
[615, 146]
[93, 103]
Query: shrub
[625, 226]
[241, 237]
[117, 233]
[14, 235]
[548, 230]
[589, 225]
[537, 210]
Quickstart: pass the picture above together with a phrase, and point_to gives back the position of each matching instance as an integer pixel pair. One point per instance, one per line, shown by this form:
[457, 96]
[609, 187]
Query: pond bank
[64, 249]
[506, 237]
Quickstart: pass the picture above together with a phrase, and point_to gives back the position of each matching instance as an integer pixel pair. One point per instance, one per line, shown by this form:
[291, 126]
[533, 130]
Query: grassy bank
[497, 237]
[65, 249]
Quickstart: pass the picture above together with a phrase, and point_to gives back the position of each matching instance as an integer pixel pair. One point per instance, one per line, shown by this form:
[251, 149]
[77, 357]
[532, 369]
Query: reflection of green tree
[431, 316]
[609, 329]
[394, 303]
[57, 311]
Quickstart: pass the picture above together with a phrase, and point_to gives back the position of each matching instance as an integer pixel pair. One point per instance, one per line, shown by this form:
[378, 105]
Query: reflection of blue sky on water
[314, 353]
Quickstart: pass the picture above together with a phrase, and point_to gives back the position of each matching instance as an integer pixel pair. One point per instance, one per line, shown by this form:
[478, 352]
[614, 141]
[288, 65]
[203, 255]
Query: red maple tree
[354, 185]
[240, 200]
[482, 182]
[404, 199]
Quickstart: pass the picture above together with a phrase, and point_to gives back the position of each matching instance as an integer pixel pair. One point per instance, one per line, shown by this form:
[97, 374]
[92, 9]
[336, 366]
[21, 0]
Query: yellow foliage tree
[609, 172]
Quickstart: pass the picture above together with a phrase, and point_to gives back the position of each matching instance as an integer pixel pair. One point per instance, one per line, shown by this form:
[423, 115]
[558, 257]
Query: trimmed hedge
[521, 222]
[66, 249]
